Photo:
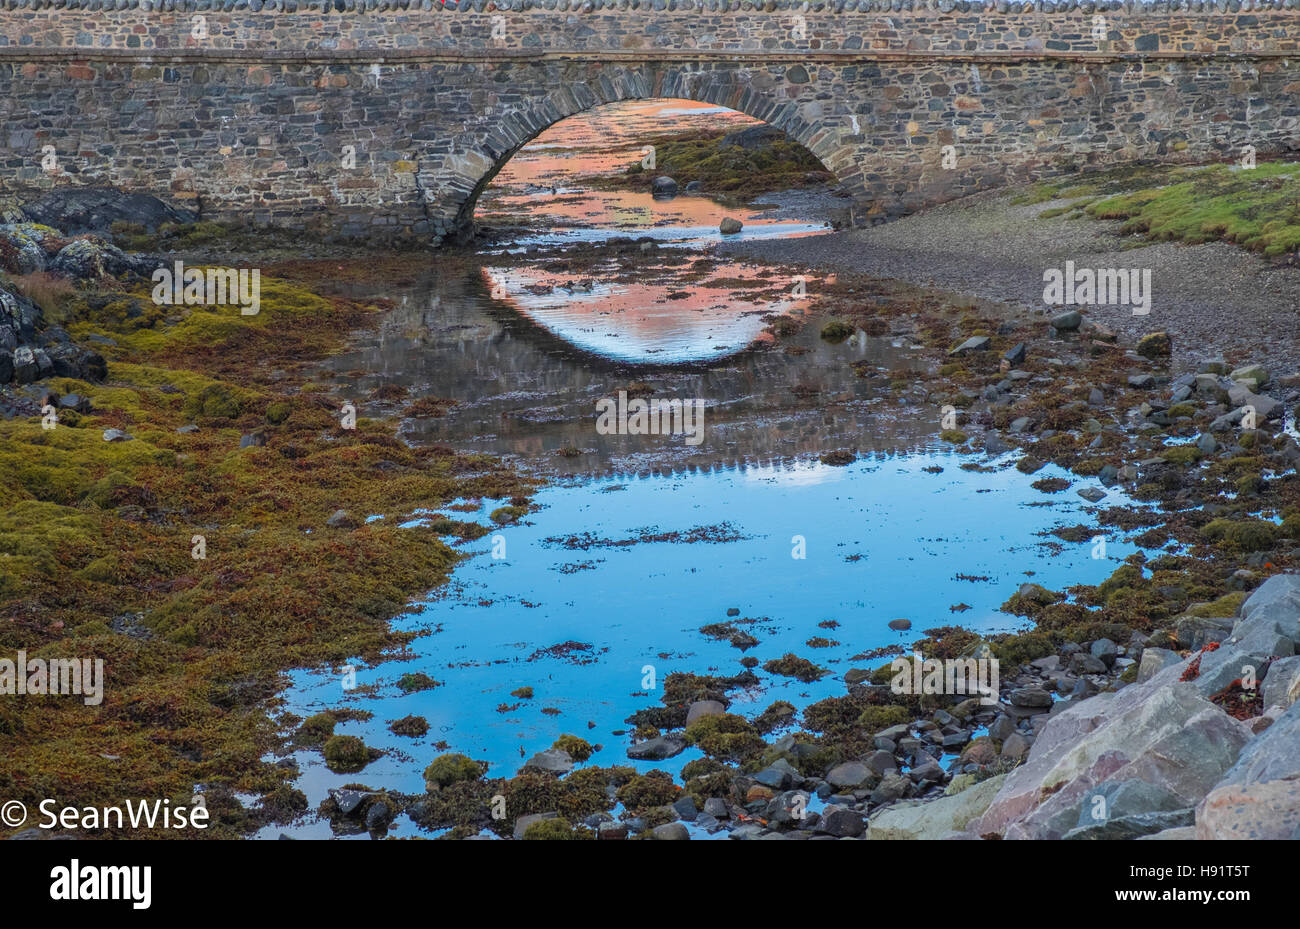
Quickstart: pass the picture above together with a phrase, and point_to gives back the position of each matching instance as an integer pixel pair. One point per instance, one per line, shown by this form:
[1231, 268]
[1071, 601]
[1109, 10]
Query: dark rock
[74, 210]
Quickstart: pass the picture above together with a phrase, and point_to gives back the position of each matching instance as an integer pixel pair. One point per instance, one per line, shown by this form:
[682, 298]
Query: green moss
[645, 791]
[1245, 535]
[558, 829]
[955, 436]
[726, 737]
[316, 729]
[414, 682]
[1182, 454]
[345, 753]
[508, 514]
[278, 412]
[523, 693]
[452, 768]
[875, 718]
[791, 665]
[578, 749]
[837, 331]
[1225, 607]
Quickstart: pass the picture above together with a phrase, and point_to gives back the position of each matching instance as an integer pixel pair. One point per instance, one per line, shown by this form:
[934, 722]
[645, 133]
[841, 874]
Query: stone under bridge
[386, 119]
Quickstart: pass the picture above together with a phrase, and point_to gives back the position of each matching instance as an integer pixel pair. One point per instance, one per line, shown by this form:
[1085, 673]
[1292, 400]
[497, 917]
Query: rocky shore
[1159, 703]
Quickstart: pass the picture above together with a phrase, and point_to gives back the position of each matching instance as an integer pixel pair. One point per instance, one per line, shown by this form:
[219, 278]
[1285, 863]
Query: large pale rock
[1275, 605]
[1259, 798]
[935, 818]
[1155, 660]
[1162, 732]
[1282, 685]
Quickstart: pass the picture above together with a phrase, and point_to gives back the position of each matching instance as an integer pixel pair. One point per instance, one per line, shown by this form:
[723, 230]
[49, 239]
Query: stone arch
[455, 181]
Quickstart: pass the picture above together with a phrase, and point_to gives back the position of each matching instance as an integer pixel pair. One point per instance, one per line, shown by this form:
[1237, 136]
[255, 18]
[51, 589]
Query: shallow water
[641, 540]
[885, 539]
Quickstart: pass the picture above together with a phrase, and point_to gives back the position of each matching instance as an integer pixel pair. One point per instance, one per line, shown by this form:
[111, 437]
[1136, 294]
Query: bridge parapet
[1074, 28]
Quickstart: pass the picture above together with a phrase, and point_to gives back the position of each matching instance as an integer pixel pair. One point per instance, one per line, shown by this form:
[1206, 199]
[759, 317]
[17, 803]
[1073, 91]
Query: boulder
[702, 708]
[1068, 321]
[1259, 797]
[657, 749]
[849, 775]
[932, 819]
[555, 760]
[94, 209]
[1155, 660]
[663, 187]
[1282, 684]
[674, 832]
[840, 821]
[1163, 732]
[1155, 345]
[730, 226]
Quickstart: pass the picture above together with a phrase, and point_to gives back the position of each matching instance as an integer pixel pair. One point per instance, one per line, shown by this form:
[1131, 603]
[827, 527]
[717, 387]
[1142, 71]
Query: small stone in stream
[716, 807]
[1207, 443]
[1015, 746]
[1109, 474]
[1105, 651]
[730, 226]
[892, 787]
[1155, 345]
[1031, 697]
[779, 775]
[1142, 381]
[1264, 407]
[684, 807]
[733, 611]
[976, 343]
[694, 187]
[663, 187]
[672, 832]
[117, 435]
[841, 822]
[848, 775]
[995, 446]
[553, 760]
[701, 708]
[881, 762]
[341, 519]
[347, 799]
[1127, 474]
[1255, 375]
[900, 625]
[1002, 727]
[1068, 322]
[657, 749]
[1016, 354]
[612, 831]
[927, 770]
[1092, 494]
[1081, 663]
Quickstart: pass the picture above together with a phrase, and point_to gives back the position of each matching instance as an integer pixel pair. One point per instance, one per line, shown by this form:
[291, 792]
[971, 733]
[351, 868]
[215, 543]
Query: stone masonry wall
[391, 122]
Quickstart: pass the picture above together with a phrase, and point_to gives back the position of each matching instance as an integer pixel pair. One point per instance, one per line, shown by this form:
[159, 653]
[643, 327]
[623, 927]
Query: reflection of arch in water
[519, 319]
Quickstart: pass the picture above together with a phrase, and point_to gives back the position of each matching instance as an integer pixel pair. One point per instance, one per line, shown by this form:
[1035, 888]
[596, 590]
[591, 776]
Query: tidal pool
[600, 588]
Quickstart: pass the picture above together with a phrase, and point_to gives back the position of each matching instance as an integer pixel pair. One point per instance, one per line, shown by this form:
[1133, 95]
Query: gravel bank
[1213, 299]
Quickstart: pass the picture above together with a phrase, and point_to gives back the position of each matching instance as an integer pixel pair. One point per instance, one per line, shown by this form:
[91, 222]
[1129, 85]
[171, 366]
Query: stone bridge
[386, 119]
